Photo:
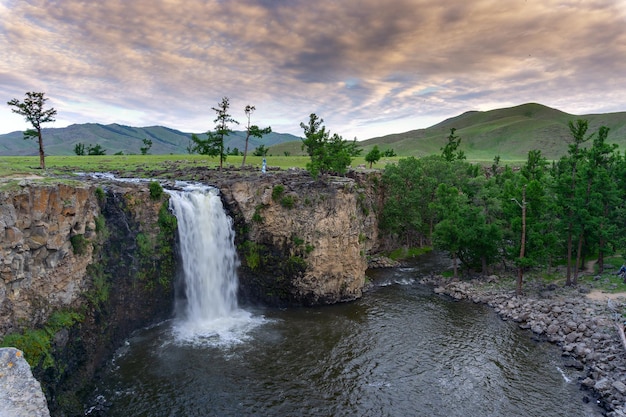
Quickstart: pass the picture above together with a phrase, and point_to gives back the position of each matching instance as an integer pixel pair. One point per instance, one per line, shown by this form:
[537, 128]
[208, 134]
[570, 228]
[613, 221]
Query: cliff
[85, 264]
[302, 241]
[40, 271]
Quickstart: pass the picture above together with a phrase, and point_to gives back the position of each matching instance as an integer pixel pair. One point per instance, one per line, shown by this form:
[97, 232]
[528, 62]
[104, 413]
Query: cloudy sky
[367, 67]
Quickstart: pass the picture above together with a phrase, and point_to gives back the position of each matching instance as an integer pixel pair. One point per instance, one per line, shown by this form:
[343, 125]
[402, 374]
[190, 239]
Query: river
[399, 351]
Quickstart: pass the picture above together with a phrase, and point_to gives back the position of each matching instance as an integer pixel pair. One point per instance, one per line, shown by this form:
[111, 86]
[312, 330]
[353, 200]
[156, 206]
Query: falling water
[209, 311]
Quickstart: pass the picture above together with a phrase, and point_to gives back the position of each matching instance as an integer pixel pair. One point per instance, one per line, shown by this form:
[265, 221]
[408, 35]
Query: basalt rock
[94, 251]
[20, 392]
[302, 241]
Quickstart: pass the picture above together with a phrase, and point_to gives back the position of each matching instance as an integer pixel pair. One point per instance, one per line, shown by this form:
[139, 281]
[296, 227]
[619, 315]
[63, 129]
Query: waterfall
[209, 263]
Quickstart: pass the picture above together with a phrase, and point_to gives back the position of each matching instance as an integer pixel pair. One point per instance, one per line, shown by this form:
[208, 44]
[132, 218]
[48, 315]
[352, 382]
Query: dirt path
[598, 295]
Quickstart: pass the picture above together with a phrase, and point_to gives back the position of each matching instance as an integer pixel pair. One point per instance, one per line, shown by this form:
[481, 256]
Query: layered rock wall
[39, 270]
[303, 242]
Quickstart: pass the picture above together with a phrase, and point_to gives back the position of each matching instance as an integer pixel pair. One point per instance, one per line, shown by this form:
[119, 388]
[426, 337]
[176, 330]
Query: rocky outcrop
[39, 268]
[20, 392]
[302, 241]
[85, 266]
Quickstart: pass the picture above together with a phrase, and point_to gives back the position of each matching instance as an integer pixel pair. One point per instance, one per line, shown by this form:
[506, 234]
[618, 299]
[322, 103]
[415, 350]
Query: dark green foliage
[254, 131]
[36, 343]
[79, 244]
[96, 150]
[566, 212]
[79, 149]
[156, 190]
[213, 145]
[277, 192]
[451, 151]
[256, 217]
[100, 195]
[373, 156]
[288, 201]
[389, 153]
[260, 150]
[32, 108]
[101, 287]
[147, 144]
[329, 154]
[252, 254]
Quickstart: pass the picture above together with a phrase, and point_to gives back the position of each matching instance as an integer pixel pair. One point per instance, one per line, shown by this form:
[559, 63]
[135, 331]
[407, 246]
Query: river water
[399, 351]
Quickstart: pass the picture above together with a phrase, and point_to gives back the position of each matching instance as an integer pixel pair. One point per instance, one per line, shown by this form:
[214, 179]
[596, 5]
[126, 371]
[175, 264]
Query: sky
[367, 67]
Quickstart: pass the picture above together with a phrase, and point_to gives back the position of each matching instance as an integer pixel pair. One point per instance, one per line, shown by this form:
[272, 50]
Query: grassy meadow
[19, 166]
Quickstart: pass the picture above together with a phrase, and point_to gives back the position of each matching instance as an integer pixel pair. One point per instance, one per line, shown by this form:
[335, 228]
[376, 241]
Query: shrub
[79, 244]
[277, 192]
[156, 191]
[100, 195]
[288, 201]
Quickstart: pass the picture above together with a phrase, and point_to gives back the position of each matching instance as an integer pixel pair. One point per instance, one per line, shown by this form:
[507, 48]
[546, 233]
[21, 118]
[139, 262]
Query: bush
[277, 192]
[79, 244]
[156, 191]
[288, 201]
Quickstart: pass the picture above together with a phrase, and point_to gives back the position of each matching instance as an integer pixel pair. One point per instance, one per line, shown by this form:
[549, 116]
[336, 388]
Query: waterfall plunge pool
[398, 351]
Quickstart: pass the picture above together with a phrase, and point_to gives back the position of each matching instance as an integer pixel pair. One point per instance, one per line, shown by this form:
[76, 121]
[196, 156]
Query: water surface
[399, 351]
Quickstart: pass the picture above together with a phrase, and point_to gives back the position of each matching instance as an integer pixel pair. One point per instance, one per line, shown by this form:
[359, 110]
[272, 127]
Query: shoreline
[581, 324]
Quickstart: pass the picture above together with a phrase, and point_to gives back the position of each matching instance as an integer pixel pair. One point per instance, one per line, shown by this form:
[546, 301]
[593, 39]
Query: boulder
[20, 392]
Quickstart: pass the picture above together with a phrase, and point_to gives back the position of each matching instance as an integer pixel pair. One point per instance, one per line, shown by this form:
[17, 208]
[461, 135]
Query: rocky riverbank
[584, 329]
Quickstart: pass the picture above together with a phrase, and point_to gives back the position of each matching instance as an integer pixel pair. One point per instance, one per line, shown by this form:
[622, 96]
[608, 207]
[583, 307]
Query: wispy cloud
[367, 67]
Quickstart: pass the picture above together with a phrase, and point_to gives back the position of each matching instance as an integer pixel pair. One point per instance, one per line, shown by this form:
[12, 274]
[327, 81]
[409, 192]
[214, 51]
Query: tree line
[541, 215]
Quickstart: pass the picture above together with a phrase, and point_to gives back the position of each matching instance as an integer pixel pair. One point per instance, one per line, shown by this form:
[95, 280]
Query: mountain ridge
[507, 132]
[116, 138]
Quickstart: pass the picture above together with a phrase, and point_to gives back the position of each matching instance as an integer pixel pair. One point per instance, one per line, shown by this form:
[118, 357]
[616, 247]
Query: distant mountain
[118, 138]
[509, 133]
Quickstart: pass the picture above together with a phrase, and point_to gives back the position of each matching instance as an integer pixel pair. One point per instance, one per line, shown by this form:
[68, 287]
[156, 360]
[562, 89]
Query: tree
[451, 151]
[254, 131]
[79, 149]
[327, 153]
[568, 183]
[222, 128]
[147, 145]
[260, 150]
[373, 156]
[389, 153]
[96, 150]
[32, 108]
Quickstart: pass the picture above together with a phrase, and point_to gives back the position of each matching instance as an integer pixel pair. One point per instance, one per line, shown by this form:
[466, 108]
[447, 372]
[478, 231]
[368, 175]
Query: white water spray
[209, 263]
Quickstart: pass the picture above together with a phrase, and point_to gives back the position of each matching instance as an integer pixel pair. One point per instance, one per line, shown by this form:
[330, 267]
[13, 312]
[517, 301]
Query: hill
[509, 132]
[118, 138]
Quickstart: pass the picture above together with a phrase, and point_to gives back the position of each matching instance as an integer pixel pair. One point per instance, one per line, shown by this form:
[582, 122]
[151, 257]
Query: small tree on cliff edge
[213, 145]
[252, 130]
[328, 154]
[34, 113]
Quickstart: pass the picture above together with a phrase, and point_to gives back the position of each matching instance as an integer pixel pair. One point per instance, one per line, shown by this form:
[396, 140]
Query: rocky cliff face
[82, 267]
[39, 269]
[303, 242]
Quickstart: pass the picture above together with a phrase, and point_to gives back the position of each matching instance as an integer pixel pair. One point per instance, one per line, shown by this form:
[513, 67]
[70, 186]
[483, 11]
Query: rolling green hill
[509, 132]
[118, 138]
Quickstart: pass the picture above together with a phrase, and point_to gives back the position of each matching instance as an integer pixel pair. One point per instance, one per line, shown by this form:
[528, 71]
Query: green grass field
[55, 165]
